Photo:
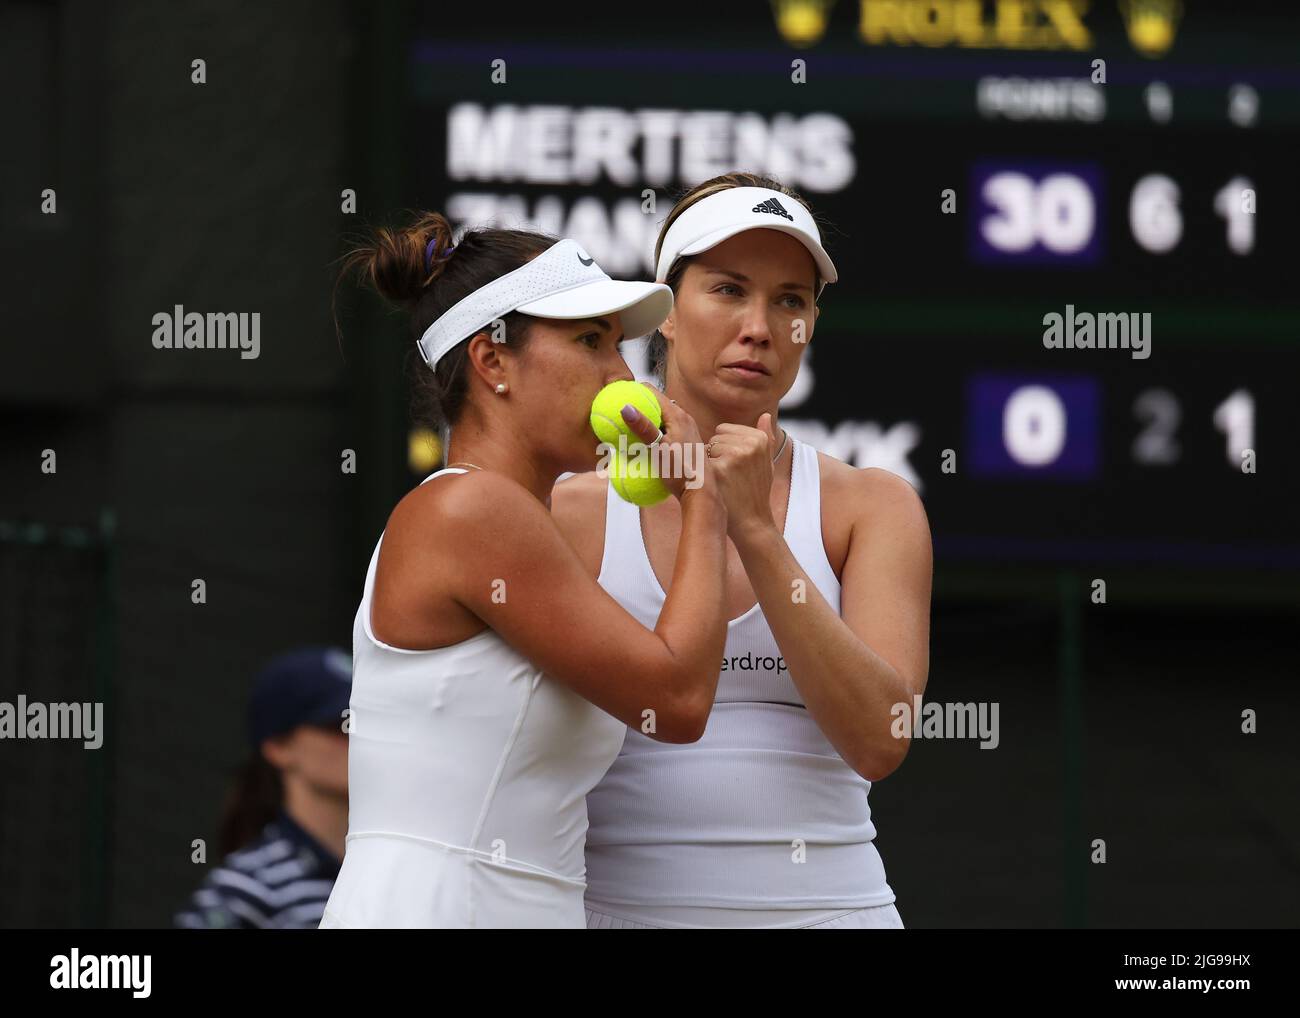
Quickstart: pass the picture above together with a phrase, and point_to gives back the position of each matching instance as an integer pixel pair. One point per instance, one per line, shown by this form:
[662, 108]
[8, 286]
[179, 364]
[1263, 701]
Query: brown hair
[393, 262]
[658, 345]
[253, 800]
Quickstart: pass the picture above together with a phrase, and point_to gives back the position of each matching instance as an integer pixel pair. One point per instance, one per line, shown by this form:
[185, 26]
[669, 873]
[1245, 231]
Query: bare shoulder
[865, 487]
[456, 510]
[860, 500]
[436, 537]
[887, 491]
[578, 508]
[890, 513]
[450, 494]
[586, 488]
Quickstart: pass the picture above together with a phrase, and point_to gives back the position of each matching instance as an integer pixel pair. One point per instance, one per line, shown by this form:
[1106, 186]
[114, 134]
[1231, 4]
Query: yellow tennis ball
[634, 481]
[607, 411]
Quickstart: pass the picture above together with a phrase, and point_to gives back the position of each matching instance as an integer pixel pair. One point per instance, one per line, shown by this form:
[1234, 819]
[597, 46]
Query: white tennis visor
[561, 282]
[726, 213]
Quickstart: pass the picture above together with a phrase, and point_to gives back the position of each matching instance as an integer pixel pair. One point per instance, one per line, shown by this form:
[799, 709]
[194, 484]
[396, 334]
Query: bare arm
[852, 667]
[514, 570]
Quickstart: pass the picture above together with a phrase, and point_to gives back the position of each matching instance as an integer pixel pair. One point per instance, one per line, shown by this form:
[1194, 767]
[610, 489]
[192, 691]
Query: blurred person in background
[285, 820]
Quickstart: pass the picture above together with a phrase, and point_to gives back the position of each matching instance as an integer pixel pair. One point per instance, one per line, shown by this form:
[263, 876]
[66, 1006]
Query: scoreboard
[1067, 303]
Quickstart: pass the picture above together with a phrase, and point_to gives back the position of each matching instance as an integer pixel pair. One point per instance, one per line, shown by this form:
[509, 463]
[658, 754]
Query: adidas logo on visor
[773, 207]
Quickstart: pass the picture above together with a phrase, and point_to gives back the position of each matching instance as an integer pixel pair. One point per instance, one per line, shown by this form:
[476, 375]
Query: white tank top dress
[468, 770]
[760, 822]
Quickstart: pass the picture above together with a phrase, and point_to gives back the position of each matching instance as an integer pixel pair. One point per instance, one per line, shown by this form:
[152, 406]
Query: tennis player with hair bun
[493, 678]
[764, 821]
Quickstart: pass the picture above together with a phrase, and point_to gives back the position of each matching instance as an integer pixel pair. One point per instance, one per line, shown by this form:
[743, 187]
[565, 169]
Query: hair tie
[428, 253]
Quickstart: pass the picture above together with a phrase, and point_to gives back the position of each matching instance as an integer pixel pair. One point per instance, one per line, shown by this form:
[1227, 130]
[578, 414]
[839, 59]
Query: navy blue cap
[309, 686]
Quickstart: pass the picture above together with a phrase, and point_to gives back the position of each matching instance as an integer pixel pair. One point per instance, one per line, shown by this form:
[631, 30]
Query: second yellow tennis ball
[633, 481]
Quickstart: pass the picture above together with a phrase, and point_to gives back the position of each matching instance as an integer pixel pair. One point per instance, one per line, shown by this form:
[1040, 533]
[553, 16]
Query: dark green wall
[222, 197]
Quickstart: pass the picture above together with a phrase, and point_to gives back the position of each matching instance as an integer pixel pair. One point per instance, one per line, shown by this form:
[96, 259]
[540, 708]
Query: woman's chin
[733, 390]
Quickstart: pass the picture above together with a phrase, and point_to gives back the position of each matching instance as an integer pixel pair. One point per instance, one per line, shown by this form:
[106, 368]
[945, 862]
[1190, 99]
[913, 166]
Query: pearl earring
[501, 388]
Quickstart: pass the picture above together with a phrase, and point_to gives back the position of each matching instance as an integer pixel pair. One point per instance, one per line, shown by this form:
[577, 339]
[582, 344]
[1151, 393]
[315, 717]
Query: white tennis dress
[468, 770]
[760, 822]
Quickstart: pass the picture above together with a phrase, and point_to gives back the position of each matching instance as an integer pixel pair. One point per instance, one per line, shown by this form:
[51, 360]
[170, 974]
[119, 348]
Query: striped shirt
[280, 881]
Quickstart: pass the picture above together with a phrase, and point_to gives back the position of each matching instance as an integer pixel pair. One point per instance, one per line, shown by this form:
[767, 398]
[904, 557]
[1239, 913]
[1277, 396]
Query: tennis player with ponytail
[493, 678]
[764, 821]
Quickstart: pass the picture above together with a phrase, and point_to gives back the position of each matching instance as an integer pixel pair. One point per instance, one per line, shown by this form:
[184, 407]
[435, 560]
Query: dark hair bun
[402, 263]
